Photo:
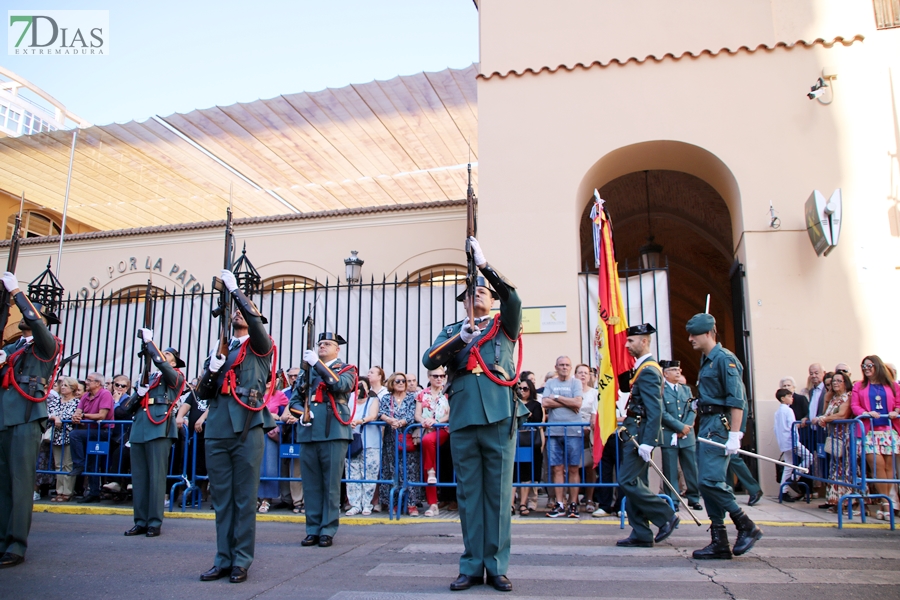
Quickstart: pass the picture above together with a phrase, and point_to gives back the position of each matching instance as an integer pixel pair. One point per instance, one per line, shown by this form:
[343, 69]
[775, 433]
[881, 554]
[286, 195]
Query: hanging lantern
[47, 290]
[246, 275]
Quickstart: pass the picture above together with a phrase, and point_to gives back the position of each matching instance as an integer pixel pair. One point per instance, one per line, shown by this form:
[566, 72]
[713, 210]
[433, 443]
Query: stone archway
[690, 217]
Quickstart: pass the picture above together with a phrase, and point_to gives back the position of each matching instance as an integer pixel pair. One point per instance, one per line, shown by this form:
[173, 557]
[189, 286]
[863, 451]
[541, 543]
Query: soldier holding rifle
[234, 382]
[29, 367]
[153, 433]
[641, 428]
[721, 410]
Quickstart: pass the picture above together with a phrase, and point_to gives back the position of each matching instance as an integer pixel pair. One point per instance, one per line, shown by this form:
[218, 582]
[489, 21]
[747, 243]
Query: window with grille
[288, 283]
[33, 225]
[439, 275]
[887, 13]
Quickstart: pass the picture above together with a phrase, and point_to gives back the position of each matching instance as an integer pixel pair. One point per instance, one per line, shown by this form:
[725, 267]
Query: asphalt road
[86, 556]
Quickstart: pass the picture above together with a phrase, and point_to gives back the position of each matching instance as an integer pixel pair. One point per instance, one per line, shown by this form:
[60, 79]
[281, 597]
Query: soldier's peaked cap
[669, 364]
[700, 323]
[52, 319]
[642, 329]
[479, 282]
[327, 335]
[178, 362]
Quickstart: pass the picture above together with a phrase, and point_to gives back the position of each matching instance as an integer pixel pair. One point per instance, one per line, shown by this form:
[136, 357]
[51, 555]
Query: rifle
[11, 267]
[310, 324]
[471, 267]
[222, 311]
[148, 324]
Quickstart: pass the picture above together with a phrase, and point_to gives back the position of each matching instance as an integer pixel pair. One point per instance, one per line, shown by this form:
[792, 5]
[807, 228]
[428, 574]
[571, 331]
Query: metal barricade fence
[107, 451]
[526, 453]
[882, 486]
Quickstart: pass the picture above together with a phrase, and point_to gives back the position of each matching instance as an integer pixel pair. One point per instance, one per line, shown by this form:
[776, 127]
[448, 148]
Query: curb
[210, 515]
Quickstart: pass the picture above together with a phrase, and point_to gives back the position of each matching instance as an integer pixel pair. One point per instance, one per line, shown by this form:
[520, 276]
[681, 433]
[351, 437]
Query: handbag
[406, 440]
[837, 445]
[356, 445]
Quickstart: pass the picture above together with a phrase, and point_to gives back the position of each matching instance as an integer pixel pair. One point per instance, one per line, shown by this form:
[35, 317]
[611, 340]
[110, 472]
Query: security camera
[817, 89]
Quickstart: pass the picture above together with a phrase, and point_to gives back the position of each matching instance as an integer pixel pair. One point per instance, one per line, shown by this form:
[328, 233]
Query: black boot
[748, 532]
[718, 548]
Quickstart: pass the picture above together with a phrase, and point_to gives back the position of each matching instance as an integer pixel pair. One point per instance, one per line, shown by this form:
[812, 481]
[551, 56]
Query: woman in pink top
[876, 400]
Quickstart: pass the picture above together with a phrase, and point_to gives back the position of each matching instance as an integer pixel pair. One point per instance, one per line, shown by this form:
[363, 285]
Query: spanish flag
[609, 338]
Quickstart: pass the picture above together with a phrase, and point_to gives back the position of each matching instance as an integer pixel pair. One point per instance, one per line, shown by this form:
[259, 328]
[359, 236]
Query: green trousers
[19, 446]
[322, 464]
[687, 457]
[738, 468]
[483, 459]
[713, 465]
[643, 506]
[149, 467]
[233, 469]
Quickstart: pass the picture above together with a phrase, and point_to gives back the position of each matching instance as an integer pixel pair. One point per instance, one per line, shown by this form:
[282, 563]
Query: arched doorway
[691, 222]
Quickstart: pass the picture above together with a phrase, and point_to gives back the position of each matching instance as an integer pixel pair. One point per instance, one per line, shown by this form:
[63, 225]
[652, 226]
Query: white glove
[10, 282]
[215, 363]
[674, 440]
[734, 442]
[142, 390]
[2, 357]
[645, 451]
[468, 333]
[146, 335]
[476, 251]
[310, 357]
[229, 280]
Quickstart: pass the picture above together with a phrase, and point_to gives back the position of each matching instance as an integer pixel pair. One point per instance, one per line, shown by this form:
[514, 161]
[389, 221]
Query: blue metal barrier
[865, 481]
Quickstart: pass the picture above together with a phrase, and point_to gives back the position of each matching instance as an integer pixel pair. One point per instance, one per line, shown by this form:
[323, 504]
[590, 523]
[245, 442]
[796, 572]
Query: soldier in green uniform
[324, 442]
[721, 410]
[28, 367]
[483, 420]
[235, 387]
[152, 436]
[678, 439]
[643, 417]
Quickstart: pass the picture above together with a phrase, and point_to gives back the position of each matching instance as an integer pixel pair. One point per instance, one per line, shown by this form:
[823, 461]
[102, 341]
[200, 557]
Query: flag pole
[62, 229]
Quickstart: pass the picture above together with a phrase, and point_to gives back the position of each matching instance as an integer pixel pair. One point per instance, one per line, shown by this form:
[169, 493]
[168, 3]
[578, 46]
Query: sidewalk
[767, 512]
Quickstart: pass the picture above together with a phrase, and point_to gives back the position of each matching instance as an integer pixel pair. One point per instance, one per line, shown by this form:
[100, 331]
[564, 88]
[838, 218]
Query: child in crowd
[788, 443]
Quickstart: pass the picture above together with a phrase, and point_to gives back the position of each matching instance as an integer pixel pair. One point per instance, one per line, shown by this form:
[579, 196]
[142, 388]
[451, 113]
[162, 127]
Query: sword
[663, 477]
[754, 455]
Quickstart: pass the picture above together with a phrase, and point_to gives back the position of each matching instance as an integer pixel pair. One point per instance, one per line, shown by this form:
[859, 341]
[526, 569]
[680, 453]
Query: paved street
[86, 556]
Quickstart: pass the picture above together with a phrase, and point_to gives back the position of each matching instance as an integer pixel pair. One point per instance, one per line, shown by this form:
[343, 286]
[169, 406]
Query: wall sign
[823, 221]
[543, 319]
[132, 264]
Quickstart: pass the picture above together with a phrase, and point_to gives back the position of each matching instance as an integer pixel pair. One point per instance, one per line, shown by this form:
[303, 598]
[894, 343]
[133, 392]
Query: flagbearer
[678, 439]
[482, 414]
[721, 410]
[28, 368]
[642, 424]
[152, 436]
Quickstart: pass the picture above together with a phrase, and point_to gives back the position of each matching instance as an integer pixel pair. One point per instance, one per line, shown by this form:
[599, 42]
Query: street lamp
[353, 267]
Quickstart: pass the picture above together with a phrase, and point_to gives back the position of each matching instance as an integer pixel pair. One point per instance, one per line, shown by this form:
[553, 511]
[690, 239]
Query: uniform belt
[242, 391]
[634, 414]
[463, 372]
[164, 401]
[27, 379]
[712, 409]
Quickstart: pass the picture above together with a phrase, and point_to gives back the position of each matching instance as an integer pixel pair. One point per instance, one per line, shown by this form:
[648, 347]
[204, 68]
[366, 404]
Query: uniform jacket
[646, 394]
[475, 399]
[226, 417]
[38, 360]
[340, 386]
[677, 413]
[161, 397]
[720, 381]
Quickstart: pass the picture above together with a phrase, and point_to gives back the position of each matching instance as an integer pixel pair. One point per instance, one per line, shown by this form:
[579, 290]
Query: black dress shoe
[136, 530]
[215, 573]
[788, 498]
[500, 583]
[696, 506]
[824, 506]
[667, 528]
[89, 499]
[464, 582]
[631, 542]
[238, 575]
[10, 560]
[755, 498]
[153, 531]
[310, 540]
[325, 541]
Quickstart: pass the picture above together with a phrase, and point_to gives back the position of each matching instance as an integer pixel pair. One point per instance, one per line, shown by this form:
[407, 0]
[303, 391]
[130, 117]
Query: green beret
[700, 323]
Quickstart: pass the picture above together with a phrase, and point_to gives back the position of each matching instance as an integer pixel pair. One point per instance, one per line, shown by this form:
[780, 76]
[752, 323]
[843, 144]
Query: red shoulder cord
[10, 376]
[323, 387]
[146, 398]
[231, 379]
[476, 353]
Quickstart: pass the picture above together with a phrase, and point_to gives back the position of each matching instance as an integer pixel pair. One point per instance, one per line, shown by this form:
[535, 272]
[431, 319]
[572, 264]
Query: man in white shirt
[784, 435]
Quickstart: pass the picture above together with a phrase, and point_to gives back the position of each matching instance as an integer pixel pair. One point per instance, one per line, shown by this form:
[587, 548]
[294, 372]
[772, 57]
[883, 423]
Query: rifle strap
[475, 356]
[145, 399]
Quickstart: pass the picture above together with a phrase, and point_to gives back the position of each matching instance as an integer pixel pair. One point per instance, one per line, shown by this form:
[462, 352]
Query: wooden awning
[405, 140]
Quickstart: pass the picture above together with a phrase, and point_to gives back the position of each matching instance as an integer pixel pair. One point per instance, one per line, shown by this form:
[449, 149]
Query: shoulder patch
[732, 365]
